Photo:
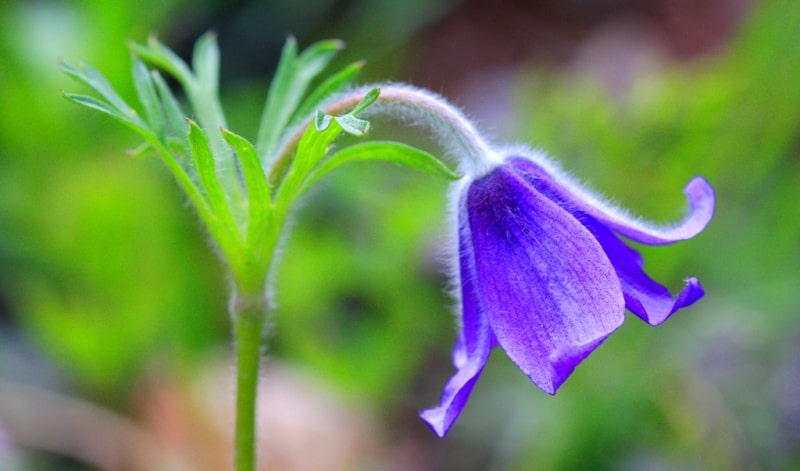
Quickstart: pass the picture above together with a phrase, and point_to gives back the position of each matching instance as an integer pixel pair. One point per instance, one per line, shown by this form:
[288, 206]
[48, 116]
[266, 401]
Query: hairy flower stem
[249, 313]
[417, 108]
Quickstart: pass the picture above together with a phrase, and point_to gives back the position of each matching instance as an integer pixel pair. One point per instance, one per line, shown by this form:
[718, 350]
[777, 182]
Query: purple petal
[646, 298]
[471, 351]
[643, 296]
[699, 193]
[550, 293]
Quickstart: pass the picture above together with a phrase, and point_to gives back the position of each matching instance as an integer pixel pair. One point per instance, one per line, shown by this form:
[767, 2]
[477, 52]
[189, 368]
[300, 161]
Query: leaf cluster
[244, 191]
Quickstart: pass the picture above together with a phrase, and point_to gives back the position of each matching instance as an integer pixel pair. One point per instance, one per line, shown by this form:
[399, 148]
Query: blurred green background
[114, 338]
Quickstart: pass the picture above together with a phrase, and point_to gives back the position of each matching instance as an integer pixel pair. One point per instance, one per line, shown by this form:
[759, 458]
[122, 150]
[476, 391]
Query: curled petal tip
[701, 200]
[699, 186]
[701, 209]
[691, 292]
[656, 306]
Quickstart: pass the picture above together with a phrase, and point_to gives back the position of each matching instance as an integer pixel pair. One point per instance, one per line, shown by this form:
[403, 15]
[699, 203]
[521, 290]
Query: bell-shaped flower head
[544, 275]
[539, 269]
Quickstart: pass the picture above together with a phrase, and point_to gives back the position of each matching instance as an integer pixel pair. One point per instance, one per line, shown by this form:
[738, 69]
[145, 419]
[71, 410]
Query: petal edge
[536, 170]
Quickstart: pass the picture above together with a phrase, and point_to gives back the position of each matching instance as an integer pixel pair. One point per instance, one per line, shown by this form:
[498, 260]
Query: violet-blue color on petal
[544, 275]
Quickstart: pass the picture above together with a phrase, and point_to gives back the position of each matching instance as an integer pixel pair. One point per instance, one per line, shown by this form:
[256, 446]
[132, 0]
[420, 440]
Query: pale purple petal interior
[549, 291]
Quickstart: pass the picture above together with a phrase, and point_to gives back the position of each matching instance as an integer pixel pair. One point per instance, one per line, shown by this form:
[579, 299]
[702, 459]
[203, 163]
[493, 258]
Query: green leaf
[163, 57]
[205, 61]
[352, 125]
[317, 56]
[313, 146]
[291, 80]
[348, 122]
[96, 104]
[175, 118]
[277, 96]
[368, 99]
[204, 164]
[98, 83]
[311, 149]
[258, 196]
[148, 98]
[333, 84]
[322, 120]
[201, 91]
[384, 151]
[315, 141]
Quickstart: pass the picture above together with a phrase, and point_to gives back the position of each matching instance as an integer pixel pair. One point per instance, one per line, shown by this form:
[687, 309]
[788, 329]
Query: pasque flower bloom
[544, 275]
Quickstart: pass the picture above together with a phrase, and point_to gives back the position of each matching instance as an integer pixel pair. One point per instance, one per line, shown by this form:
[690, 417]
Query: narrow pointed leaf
[384, 151]
[333, 84]
[175, 118]
[311, 150]
[100, 84]
[202, 97]
[277, 95]
[291, 80]
[96, 104]
[148, 98]
[205, 61]
[258, 195]
[368, 99]
[161, 56]
[204, 164]
[317, 56]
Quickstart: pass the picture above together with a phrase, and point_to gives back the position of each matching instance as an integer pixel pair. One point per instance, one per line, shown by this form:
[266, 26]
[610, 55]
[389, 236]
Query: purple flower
[544, 275]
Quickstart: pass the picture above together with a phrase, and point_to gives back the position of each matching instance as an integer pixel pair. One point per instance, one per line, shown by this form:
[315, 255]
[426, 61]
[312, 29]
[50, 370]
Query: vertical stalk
[248, 313]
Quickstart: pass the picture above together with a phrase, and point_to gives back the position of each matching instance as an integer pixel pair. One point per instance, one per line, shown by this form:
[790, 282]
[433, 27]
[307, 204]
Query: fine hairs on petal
[577, 187]
[631, 226]
[447, 253]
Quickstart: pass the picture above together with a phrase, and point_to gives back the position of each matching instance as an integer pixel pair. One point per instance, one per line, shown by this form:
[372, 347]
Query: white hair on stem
[415, 107]
[460, 141]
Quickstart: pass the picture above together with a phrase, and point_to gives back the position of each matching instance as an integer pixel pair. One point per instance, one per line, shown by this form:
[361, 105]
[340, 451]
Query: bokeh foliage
[106, 275]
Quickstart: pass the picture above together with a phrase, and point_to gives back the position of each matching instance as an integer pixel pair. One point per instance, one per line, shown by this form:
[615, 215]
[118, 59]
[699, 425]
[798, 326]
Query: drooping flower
[544, 275]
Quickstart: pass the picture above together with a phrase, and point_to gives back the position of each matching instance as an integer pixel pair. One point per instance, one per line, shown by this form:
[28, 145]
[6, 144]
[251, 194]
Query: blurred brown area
[479, 35]
[303, 425]
[472, 54]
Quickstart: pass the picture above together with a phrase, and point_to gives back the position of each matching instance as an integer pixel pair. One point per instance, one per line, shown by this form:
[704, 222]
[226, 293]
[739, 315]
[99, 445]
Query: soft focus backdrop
[114, 339]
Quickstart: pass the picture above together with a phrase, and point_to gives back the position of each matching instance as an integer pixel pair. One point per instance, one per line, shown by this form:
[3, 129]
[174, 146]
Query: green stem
[249, 313]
